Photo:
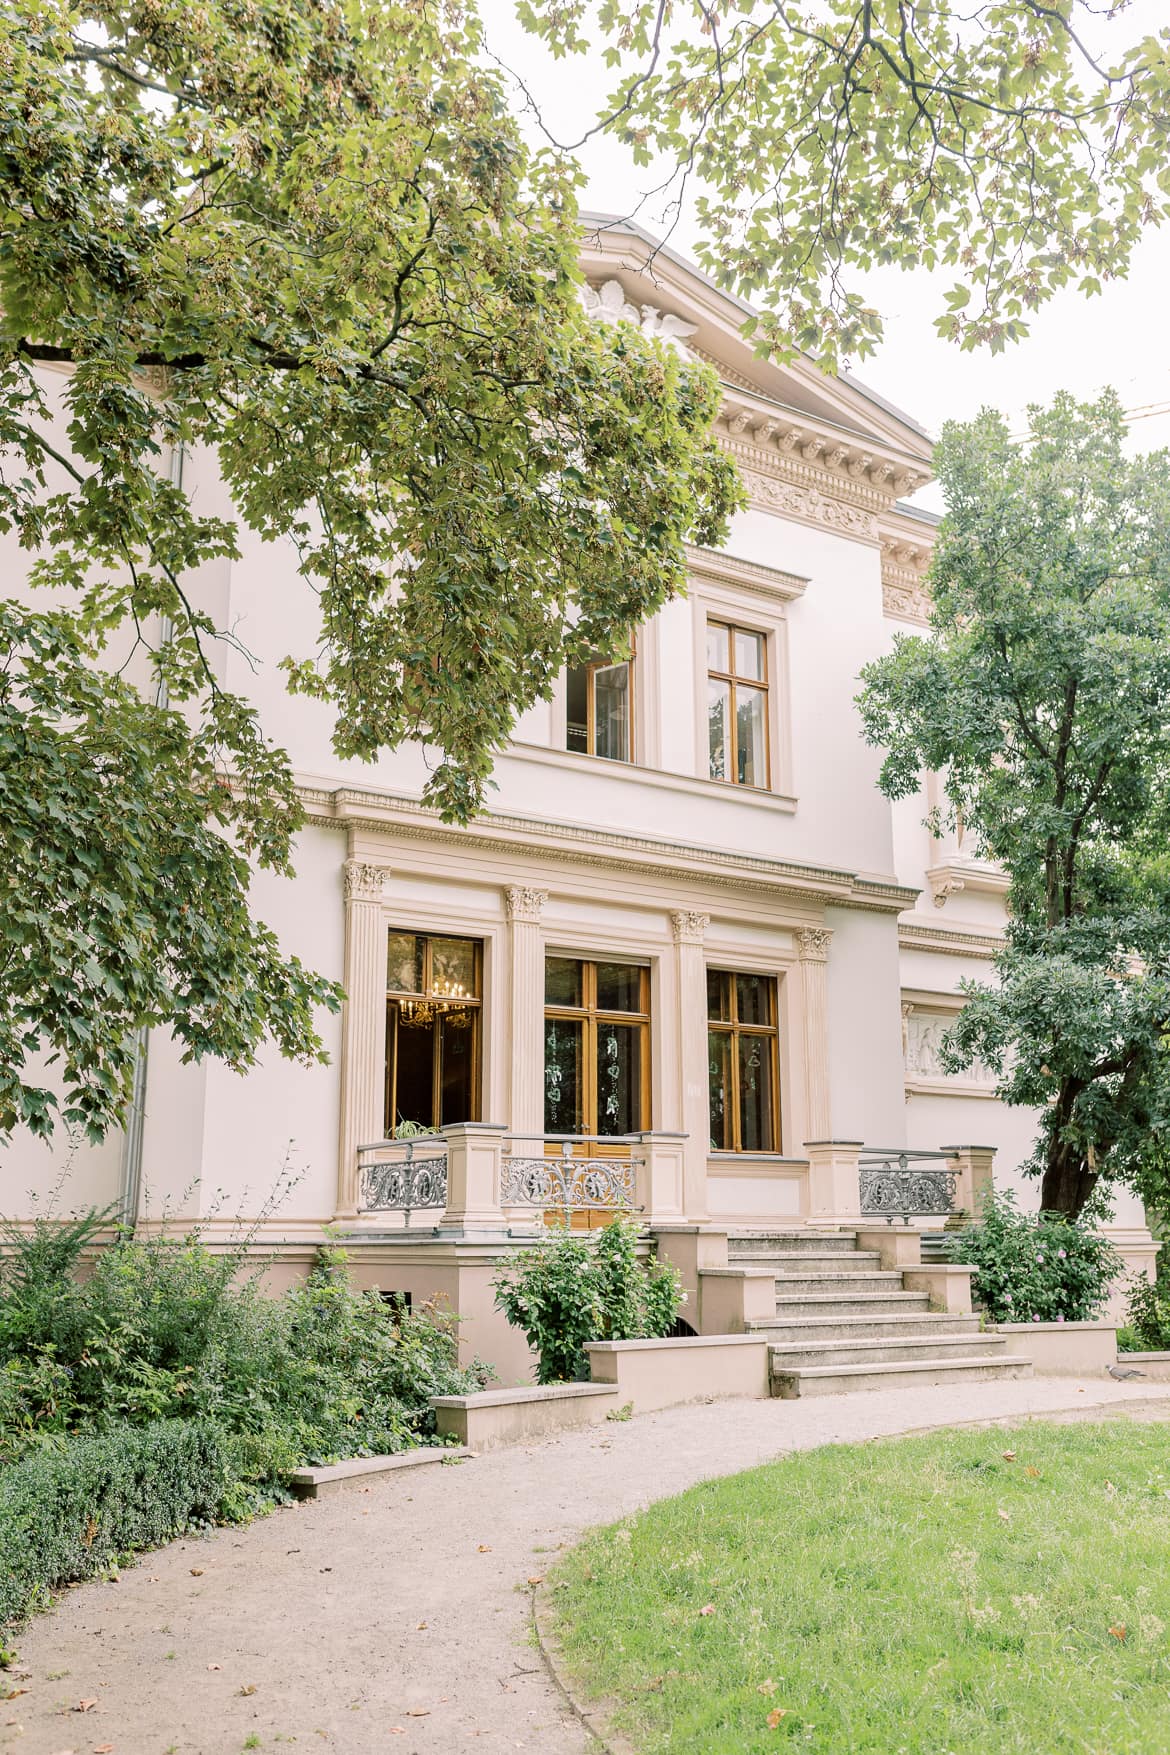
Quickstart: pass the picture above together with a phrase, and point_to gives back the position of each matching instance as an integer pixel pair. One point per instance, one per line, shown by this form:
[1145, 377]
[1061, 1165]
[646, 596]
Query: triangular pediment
[789, 408]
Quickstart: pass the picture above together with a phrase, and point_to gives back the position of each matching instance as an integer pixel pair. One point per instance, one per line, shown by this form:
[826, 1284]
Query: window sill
[662, 779]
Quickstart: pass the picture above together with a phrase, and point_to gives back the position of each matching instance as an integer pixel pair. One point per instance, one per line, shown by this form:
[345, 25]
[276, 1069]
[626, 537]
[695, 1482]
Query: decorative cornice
[949, 876]
[524, 902]
[394, 816]
[688, 926]
[363, 881]
[724, 569]
[912, 937]
[812, 944]
[796, 447]
[809, 505]
[905, 594]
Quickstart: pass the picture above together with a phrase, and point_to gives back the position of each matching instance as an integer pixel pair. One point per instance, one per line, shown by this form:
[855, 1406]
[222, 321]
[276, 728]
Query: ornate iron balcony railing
[403, 1176]
[905, 1185]
[569, 1183]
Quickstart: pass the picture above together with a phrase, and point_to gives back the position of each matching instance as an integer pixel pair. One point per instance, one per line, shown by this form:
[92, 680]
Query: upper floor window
[737, 704]
[600, 710]
[743, 1062]
[433, 1004]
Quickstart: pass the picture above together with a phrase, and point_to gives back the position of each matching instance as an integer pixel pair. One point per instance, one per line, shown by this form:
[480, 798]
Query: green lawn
[967, 1593]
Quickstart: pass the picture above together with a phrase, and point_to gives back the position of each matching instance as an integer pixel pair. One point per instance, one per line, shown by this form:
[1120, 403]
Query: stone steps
[851, 1303]
[794, 1261]
[848, 1284]
[920, 1374]
[881, 1349]
[892, 1327]
[743, 1245]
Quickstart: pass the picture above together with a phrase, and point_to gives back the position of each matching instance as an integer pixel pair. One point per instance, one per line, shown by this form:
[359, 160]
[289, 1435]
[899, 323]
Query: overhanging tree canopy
[308, 237]
[1021, 143]
[1044, 699]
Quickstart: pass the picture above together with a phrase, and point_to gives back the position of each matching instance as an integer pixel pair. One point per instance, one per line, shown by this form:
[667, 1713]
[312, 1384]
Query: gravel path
[395, 1618]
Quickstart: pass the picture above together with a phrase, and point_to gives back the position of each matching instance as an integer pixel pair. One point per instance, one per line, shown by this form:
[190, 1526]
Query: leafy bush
[1147, 1318]
[165, 1328]
[1035, 1267]
[70, 1513]
[578, 1286]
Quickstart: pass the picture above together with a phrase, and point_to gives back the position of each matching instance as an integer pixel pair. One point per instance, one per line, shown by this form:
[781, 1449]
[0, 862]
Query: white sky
[1120, 338]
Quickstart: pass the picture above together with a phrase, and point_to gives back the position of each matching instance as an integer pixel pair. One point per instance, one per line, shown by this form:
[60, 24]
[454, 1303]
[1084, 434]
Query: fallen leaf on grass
[768, 1687]
[707, 1609]
[1009, 1456]
[776, 1714]
[85, 1705]
[13, 1692]
[1118, 1632]
[1032, 1474]
[1005, 1515]
[536, 1578]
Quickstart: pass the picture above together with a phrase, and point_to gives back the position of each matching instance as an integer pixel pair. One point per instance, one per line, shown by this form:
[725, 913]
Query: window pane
[718, 722]
[753, 995]
[577, 711]
[611, 712]
[562, 981]
[563, 1084]
[619, 1078]
[757, 1131]
[719, 1088]
[413, 1098]
[404, 962]
[453, 967]
[718, 654]
[750, 727]
[619, 987]
[749, 655]
[718, 994]
[457, 1050]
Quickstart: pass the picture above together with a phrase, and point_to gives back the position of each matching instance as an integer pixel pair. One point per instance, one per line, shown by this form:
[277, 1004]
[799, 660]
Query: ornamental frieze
[808, 504]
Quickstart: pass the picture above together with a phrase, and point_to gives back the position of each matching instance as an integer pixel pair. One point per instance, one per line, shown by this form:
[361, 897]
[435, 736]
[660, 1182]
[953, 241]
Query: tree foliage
[306, 240]
[1020, 143]
[1043, 696]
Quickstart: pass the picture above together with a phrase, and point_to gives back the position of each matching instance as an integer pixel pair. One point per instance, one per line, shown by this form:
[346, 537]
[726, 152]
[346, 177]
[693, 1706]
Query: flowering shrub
[1035, 1267]
[1147, 1318]
[578, 1286]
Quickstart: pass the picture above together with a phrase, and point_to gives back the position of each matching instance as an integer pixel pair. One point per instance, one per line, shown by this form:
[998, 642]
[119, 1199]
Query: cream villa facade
[689, 932]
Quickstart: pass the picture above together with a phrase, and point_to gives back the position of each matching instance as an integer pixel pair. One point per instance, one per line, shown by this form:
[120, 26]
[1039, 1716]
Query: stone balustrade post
[658, 1177]
[974, 1167]
[475, 1151]
[688, 927]
[523, 905]
[834, 1181]
[363, 1026]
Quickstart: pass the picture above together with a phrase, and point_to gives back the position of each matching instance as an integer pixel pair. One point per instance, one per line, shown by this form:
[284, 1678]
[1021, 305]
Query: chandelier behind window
[446, 1001]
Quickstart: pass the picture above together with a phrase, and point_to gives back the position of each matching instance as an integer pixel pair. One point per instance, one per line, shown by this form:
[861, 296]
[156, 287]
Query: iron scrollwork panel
[400, 1185]
[900, 1189]
[585, 1184]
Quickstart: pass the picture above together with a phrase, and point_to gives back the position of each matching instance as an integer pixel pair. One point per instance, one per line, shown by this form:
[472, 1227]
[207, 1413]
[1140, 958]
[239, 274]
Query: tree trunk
[1067, 1182]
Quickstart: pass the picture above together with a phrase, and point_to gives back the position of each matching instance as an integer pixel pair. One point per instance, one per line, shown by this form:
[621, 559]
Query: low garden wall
[1063, 1349]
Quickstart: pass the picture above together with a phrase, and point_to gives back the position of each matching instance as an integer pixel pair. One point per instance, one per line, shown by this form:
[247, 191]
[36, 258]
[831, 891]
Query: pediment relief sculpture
[608, 303]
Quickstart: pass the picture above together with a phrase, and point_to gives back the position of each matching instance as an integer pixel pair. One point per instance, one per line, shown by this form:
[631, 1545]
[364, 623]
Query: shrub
[1147, 1318]
[578, 1286]
[1035, 1267]
[70, 1513]
[164, 1329]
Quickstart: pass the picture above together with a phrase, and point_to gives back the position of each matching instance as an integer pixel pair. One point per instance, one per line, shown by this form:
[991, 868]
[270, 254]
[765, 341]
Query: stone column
[834, 1182]
[974, 1165]
[363, 1026]
[691, 971]
[526, 1020]
[812, 946]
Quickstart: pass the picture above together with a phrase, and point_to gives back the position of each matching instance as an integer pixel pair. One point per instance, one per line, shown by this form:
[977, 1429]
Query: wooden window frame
[591, 669]
[426, 993]
[592, 1015]
[732, 678]
[734, 1029]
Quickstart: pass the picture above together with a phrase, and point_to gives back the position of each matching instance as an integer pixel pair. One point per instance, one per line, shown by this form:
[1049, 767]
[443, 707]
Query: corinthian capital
[812, 943]
[524, 901]
[688, 926]
[363, 882]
